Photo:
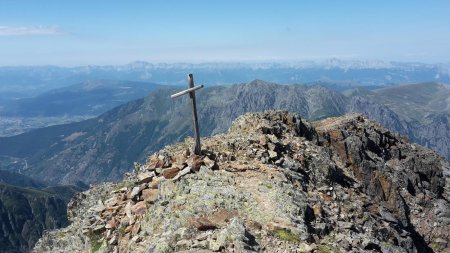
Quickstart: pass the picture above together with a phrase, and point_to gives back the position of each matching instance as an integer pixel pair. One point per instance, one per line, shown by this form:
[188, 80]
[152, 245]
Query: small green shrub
[326, 249]
[95, 245]
[286, 235]
[269, 186]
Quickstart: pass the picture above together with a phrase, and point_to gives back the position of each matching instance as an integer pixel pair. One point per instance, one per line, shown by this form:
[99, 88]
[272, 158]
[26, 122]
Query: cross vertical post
[197, 148]
[191, 90]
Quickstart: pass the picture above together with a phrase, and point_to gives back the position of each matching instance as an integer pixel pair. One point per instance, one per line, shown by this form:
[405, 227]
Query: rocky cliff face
[434, 134]
[272, 183]
[26, 212]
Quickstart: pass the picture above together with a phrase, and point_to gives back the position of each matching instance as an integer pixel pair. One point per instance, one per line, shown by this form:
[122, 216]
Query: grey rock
[135, 192]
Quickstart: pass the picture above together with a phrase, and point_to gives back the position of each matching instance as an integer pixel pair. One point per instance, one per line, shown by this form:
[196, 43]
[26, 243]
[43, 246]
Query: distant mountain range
[46, 91]
[68, 104]
[103, 148]
[87, 98]
[28, 81]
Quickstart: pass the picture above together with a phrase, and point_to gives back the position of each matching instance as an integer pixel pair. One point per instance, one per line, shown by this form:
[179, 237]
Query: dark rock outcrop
[26, 212]
[405, 180]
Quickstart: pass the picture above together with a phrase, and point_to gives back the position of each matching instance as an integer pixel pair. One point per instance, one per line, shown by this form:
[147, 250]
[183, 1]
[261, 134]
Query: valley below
[10, 126]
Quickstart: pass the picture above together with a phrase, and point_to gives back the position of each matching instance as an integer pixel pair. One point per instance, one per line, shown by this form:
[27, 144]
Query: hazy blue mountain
[30, 90]
[27, 81]
[87, 98]
[68, 104]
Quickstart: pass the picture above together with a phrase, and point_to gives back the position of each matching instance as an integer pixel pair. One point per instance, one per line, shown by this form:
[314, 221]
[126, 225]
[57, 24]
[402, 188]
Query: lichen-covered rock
[273, 183]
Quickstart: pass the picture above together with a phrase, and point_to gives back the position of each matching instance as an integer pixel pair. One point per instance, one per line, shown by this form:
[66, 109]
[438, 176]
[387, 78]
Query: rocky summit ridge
[272, 183]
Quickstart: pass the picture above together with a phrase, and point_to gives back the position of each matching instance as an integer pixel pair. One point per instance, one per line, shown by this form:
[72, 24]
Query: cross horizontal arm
[181, 93]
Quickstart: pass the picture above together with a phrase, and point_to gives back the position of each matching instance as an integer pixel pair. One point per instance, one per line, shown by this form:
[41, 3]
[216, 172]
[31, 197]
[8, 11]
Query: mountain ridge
[31, 79]
[129, 133]
[89, 98]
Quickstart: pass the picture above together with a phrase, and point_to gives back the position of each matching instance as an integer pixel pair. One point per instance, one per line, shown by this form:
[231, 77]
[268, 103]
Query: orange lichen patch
[222, 217]
[218, 219]
[385, 186]
[150, 195]
[325, 197]
[318, 211]
[337, 141]
[201, 223]
[139, 208]
[170, 172]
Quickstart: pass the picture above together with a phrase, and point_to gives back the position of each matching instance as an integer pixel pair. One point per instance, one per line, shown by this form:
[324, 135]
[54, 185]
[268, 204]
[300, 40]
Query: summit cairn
[272, 183]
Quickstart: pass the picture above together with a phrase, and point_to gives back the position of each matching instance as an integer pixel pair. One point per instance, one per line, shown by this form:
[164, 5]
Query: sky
[81, 32]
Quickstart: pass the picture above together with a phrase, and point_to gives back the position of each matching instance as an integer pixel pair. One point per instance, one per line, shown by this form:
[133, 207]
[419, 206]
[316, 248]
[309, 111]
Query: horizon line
[244, 62]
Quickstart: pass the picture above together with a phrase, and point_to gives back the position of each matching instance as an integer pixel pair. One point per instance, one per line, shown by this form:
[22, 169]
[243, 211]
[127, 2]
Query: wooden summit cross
[191, 90]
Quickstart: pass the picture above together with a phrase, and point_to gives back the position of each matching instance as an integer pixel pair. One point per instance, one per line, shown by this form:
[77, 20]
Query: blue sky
[117, 32]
